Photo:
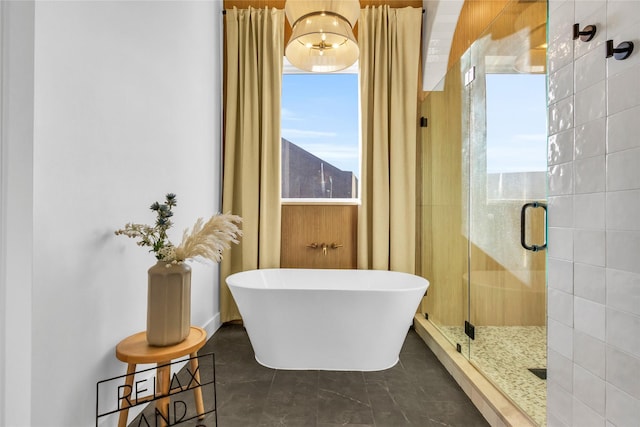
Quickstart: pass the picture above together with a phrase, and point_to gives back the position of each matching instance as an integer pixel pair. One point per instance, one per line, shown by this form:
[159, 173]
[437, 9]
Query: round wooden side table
[135, 350]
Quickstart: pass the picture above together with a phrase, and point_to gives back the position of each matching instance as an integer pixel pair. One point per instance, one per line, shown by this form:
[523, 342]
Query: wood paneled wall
[443, 243]
[445, 248]
[475, 18]
[303, 225]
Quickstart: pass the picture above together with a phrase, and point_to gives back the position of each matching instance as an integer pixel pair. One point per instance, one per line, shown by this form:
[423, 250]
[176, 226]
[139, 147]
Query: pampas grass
[207, 240]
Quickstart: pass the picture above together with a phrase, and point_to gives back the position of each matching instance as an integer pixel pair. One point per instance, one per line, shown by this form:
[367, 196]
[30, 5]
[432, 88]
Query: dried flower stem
[207, 240]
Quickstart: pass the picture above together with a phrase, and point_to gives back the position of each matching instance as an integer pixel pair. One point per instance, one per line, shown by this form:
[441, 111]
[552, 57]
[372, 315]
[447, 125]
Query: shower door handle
[523, 216]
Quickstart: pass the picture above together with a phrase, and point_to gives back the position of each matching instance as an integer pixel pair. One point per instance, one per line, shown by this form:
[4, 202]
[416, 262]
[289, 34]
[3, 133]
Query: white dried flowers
[206, 240]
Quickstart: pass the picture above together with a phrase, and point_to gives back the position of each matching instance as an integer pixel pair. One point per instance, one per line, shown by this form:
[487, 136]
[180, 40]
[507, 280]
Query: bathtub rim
[232, 280]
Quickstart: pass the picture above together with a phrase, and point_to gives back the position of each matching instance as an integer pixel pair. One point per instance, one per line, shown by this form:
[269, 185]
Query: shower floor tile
[418, 391]
[505, 355]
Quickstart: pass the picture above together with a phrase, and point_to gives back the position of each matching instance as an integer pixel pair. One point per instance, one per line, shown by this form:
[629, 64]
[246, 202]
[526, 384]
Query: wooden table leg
[197, 392]
[164, 382]
[125, 402]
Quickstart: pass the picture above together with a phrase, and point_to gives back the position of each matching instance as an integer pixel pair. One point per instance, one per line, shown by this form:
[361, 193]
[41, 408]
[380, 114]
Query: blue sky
[320, 114]
[516, 123]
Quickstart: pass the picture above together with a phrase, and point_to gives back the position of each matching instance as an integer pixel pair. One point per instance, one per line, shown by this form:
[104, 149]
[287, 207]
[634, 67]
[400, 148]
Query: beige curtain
[389, 41]
[251, 181]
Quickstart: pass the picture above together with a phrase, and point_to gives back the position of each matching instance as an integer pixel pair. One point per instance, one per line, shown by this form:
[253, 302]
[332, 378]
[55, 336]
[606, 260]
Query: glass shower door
[507, 208]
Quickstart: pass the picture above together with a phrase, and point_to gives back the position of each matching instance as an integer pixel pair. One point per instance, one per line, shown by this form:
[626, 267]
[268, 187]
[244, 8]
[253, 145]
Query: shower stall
[482, 207]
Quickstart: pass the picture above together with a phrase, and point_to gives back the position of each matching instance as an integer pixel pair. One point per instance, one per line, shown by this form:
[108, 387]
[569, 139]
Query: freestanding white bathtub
[343, 320]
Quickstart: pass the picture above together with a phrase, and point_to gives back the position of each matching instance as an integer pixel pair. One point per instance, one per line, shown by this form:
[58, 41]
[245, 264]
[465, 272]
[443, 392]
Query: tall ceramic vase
[168, 303]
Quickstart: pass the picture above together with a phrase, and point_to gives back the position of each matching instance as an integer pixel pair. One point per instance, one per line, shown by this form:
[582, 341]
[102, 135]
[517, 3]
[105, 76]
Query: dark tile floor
[417, 391]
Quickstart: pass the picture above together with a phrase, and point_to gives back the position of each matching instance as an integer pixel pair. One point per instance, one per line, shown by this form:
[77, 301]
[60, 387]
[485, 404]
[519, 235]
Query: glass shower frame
[483, 282]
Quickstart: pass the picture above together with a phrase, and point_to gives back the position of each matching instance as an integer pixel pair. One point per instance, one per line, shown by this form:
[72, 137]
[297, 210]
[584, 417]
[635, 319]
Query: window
[320, 136]
[516, 136]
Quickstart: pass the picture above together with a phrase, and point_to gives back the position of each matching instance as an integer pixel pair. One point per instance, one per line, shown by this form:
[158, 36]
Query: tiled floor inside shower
[505, 354]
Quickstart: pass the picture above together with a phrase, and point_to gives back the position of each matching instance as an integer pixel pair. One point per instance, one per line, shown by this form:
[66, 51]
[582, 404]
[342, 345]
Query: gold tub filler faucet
[323, 246]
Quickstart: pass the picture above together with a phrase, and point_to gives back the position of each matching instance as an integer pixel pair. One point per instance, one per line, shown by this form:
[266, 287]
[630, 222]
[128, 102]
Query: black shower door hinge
[469, 330]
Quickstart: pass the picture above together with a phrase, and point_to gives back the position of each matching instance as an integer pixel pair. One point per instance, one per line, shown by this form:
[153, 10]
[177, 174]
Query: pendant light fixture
[322, 37]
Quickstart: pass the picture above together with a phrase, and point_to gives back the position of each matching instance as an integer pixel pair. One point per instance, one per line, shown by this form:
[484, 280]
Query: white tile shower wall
[594, 257]
[589, 388]
[561, 369]
[561, 115]
[560, 211]
[559, 404]
[561, 147]
[591, 12]
[589, 247]
[585, 416]
[623, 371]
[560, 338]
[618, 323]
[622, 89]
[560, 245]
[589, 353]
[590, 282]
[560, 275]
[619, 204]
[561, 179]
[589, 317]
[623, 130]
[622, 249]
[622, 409]
[623, 290]
[561, 86]
[560, 306]
[589, 137]
[589, 210]
[589, 103]
[589, 69]
[590, 174]
[622, 170]
[560, 51]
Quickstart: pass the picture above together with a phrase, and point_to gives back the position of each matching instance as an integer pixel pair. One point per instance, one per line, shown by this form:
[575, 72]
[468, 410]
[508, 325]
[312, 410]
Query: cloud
[291, 134]
[287, 114]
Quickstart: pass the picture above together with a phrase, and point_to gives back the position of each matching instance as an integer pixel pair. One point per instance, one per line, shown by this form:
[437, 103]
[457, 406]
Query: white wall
[594, 206]
[16, 212]
[126, 107]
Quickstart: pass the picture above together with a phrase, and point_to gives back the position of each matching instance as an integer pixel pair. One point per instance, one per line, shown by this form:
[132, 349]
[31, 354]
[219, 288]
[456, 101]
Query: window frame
[354, 69]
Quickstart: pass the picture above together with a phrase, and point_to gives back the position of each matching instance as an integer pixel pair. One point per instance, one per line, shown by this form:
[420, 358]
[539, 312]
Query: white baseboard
[212, 325]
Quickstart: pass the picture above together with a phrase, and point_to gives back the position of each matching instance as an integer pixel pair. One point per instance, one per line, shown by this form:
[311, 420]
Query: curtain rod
[224, 11]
